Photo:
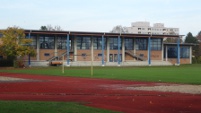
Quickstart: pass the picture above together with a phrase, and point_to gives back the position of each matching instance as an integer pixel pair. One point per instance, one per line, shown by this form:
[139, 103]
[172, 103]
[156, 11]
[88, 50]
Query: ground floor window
[62, 43]
[47, 42]
[156, 44]
[83, 42]
[129, 43]
[34, 41]
[114, 58]
[141, 43]
[97, 43]
[114, 44]
[184, 52]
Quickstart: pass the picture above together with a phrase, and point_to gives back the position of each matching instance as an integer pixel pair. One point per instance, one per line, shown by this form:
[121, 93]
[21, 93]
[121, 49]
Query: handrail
[135, 55]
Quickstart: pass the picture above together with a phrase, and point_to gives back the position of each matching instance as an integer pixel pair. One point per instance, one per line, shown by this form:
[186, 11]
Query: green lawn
[46, 107]
[188, 74]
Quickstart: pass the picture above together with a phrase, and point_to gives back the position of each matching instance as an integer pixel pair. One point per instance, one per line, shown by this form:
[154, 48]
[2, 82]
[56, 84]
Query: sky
[100, 15]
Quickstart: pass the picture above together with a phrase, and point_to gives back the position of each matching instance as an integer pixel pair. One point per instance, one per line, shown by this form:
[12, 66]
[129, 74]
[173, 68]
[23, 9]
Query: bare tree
[119, 29]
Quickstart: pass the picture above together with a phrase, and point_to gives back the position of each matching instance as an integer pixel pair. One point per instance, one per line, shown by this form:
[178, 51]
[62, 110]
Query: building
[105, 49]
[145, 28]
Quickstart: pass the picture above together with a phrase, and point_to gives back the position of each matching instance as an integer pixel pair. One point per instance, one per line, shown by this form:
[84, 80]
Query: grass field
[46, 107]
[188, 74]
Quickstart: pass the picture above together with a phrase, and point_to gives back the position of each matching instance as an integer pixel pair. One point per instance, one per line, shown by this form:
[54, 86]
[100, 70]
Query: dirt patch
[12, 79]
[191, 89]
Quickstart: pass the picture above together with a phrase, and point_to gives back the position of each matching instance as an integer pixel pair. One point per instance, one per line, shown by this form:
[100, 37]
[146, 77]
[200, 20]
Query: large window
[61, 43]
[33, 43]
[83, 42]
[156, 44]
[114, 44]
[97, 43]
[141, 43]
[129, 44]
[184, 52]
[46, 42]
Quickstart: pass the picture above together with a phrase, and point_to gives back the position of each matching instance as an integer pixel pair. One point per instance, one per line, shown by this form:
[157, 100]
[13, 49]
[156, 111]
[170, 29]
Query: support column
[75, 49]
[68, 50]
[103, 64]
[92, 51]
[178, 51]
[162, 53]
[55, 46]
[108, 50]
[190, 54]
[29, 58]
[135, 48]
[118, 55]
[166, 53]
[37, 48]
[149, 51]
[123, 49]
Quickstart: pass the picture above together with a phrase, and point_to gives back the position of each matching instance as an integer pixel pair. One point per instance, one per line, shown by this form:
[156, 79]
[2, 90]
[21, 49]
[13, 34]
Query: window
[33, 43]
[172, 52]
[46, 54]
[83, 43]
[129, 44]
[97, 43]
[156, 44]
[141, 43]
[184, 52]
[46, 42]
[114, 43]
[62, 43]
[100, 55]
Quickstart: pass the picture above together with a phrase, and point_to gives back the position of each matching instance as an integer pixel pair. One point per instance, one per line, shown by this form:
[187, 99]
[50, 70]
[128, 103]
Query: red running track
[100, 93]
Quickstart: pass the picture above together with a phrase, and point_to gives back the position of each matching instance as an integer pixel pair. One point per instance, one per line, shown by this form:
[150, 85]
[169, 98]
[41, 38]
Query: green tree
[190, 38]
[14, 44]
[44, 28]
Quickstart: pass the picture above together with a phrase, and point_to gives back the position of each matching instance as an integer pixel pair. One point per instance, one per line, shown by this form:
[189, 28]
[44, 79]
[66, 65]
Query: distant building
[145, 28]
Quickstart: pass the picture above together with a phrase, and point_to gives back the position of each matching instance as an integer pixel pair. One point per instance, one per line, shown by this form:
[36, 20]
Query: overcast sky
[100, 15]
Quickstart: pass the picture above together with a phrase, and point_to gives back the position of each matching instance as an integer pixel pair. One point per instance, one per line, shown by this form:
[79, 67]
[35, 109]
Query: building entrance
[114, 58]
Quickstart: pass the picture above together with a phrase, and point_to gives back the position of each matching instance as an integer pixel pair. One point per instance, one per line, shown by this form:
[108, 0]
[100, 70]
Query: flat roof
[99, 34]
[184, 44]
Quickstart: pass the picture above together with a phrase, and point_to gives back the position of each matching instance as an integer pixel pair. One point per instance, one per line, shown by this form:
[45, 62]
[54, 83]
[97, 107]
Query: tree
[199, 37]
[191, 39]
[44, 28]
[15, 44]
[50, 28]
[119, 29]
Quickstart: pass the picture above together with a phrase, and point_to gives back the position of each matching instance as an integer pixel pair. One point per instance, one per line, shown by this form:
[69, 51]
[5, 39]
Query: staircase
[135, 55]
[56, 60]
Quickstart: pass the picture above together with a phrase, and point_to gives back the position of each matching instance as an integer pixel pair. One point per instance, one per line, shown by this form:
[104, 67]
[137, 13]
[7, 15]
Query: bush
[196, 60]
[18, 64]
